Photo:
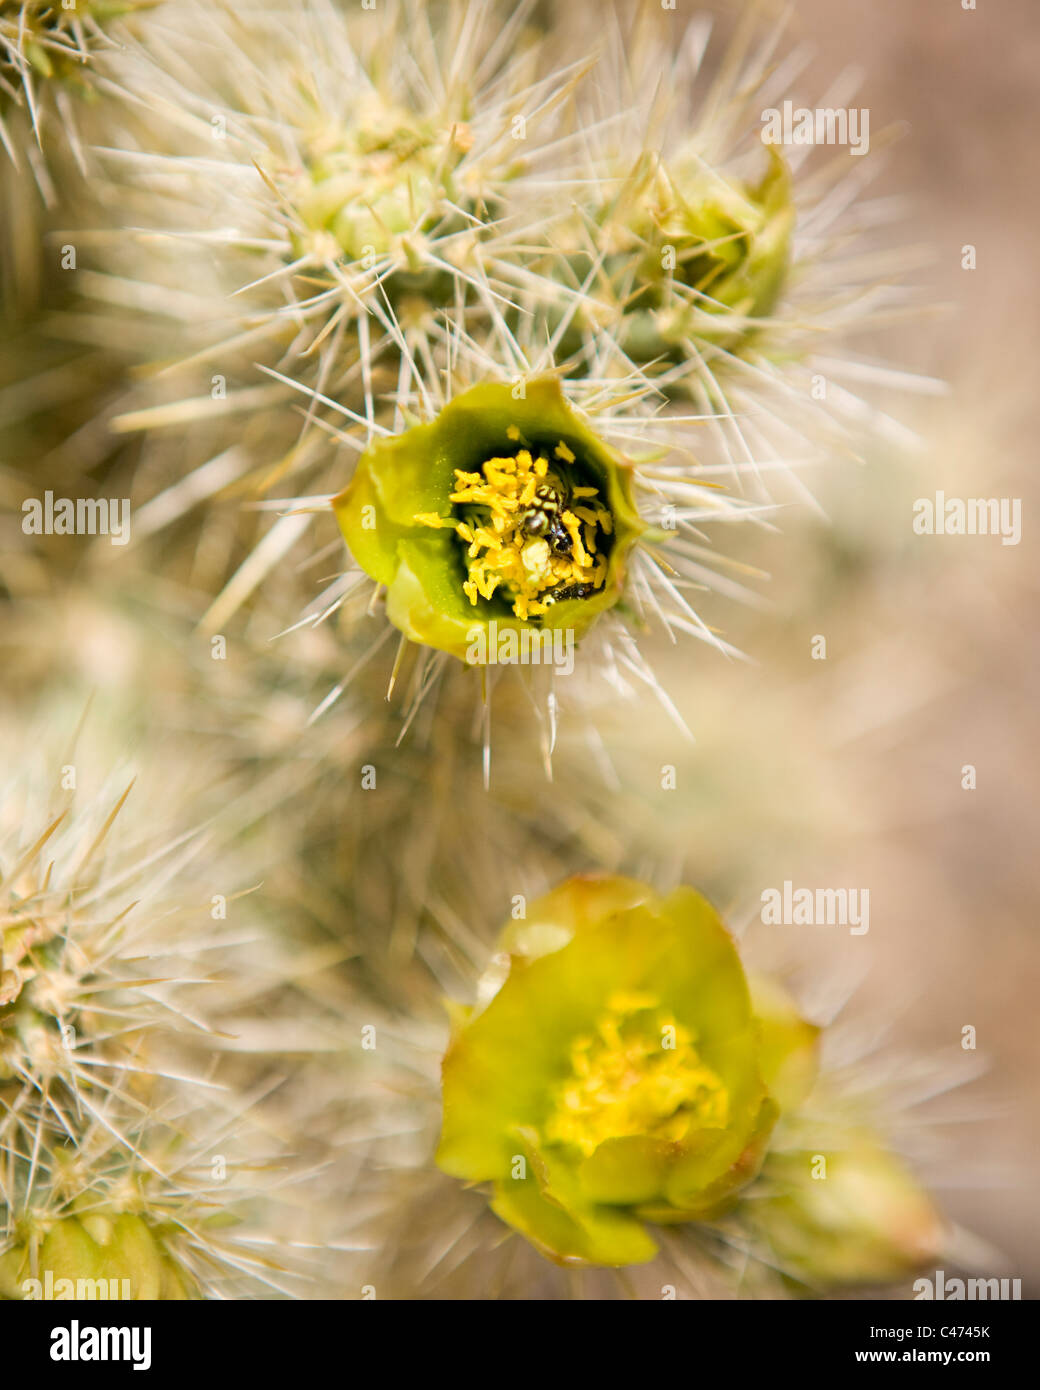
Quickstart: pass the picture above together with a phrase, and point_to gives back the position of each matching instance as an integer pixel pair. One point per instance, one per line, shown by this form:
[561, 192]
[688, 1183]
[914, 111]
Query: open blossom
[620, 1075]
[504, 509]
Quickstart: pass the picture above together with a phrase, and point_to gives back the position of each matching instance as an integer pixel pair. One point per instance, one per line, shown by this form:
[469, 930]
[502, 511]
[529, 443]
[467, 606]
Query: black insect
[569, 591]
[543, 517]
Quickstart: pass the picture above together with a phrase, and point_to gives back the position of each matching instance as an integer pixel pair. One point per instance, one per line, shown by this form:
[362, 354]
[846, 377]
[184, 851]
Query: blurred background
[932, 641]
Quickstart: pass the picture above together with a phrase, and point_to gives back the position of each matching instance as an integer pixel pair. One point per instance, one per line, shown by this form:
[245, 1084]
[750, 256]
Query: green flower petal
[547, 1207]
[789, 1054]
[577, 903]
[498, 1069]
[705, 1182]
[374, 546]
[627, 1171]
[577, 1234]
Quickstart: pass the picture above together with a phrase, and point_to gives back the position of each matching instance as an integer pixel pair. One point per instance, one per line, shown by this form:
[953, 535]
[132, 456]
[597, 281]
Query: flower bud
[851, 1215]
[94, 1255]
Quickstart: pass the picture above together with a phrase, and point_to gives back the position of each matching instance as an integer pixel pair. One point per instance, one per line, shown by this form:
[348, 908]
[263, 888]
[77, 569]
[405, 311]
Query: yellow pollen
[639, 1073]
[502, 550]
[537, 560]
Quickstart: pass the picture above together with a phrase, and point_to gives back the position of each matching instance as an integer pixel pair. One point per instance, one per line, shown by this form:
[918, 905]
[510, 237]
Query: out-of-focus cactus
[116, 1160]
[46, 42]
[76, 1255]
[523, 211]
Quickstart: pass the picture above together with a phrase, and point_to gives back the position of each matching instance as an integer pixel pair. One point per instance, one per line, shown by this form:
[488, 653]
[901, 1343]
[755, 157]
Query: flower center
[529, 530]
[639, 1073]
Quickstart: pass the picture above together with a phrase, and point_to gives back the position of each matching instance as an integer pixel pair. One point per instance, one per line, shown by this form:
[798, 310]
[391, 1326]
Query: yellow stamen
[570, 522]
[639, 1073]
[501, 552]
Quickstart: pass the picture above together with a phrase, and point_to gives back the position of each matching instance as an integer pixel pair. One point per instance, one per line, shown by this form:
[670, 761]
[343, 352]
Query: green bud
[51, 35]
[851, 1215]
[688, 256]
[71, 1256]
[731, 247]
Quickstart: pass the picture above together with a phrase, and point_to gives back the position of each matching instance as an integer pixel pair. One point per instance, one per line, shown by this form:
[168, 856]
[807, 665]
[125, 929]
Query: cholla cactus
[518, 219]
[111, 1124]
[160, 1196]
[71, 1008]
[638, 262]
[334, 209]
[359, 178]
[525, 337]
[47, 65]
